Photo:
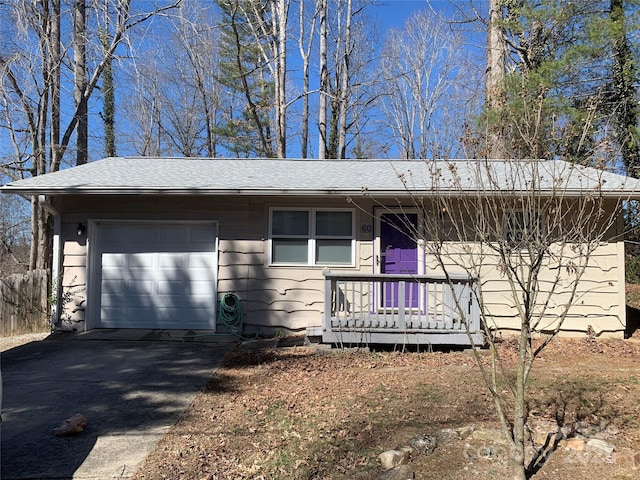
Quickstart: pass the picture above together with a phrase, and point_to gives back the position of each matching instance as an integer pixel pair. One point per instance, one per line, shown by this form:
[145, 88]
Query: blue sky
[393, 13]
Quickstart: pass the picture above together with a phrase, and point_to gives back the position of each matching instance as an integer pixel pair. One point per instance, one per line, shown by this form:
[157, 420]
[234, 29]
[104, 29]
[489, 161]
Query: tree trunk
[261, 127]
[344, 86]
[54, 62]
[495, 89]
[280, 23]
[305, 53]
[109, 107]
[324, 83]
[517, 454]
[80, 81]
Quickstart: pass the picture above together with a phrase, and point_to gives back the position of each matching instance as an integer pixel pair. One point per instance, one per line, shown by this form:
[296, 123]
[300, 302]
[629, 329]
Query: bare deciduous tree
[425, 66]
[80, 80]
[176, 107]
[324, 82]
[30, 86]
[496, 80]
[306, 34]
[527, 232]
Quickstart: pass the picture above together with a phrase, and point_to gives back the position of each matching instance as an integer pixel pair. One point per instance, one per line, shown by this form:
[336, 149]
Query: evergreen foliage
[245, 129]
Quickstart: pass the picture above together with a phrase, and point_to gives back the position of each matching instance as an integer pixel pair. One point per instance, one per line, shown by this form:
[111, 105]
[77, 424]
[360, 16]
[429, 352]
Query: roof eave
[360, 192]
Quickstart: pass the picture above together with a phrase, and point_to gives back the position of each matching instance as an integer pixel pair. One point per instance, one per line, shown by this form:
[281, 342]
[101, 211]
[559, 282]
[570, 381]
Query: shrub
[632, 268]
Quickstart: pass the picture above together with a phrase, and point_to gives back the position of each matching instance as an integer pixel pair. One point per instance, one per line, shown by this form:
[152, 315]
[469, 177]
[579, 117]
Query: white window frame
[312, 237]
[513, 236]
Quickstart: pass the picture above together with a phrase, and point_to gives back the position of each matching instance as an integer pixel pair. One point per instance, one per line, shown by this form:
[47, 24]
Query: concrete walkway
[132, 386]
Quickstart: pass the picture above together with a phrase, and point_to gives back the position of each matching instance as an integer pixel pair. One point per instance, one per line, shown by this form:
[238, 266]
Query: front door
[399, 255]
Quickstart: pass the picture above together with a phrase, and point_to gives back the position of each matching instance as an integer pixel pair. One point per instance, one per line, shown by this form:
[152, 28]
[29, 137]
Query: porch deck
[400, 309]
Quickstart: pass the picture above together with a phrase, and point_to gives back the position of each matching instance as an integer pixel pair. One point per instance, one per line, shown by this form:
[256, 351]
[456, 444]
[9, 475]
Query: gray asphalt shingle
[300, 177]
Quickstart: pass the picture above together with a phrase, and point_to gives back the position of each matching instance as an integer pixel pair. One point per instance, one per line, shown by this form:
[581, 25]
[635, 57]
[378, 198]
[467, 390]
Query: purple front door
[399, 255]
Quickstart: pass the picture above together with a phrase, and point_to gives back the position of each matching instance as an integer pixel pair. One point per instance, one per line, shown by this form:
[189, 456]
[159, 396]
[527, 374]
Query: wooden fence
[23, 303]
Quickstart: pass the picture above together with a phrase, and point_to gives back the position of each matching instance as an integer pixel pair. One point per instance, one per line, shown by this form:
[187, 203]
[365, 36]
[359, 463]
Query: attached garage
[154, 243]
[152, 275]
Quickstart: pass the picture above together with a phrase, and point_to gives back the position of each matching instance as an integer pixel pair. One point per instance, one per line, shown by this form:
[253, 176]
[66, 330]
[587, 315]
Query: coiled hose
[231, 316]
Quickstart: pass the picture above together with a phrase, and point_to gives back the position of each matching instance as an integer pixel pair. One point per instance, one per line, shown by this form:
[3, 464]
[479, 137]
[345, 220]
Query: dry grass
[294, 414]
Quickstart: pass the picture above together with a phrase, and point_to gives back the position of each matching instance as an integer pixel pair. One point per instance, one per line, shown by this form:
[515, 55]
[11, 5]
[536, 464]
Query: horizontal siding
[292, 297]
[596, 302]
[73, 277]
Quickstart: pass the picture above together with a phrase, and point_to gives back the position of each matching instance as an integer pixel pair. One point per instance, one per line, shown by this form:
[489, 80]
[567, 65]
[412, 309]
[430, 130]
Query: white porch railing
[385, 308]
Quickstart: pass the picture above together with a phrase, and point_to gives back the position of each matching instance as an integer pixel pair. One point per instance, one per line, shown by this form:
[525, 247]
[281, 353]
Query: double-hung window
[523, 228]
[312, 237]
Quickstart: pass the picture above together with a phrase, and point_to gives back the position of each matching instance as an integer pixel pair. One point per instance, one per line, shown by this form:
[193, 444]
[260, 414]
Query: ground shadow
[633, 321]
[128, 391]
[574, 404]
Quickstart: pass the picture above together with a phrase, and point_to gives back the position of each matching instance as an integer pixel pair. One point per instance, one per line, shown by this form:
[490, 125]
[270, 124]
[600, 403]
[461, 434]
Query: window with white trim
[522, 227]
[312, 237]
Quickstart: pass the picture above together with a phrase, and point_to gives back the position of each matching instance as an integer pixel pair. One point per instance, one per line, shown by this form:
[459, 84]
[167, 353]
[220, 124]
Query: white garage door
[152, 275]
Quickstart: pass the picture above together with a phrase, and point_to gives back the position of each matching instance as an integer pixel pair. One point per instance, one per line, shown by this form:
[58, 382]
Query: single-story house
[297, 246]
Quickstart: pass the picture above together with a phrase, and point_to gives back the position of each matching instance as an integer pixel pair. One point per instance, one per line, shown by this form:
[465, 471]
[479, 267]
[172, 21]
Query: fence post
[23, 303]
[402, 285]
[328, 303]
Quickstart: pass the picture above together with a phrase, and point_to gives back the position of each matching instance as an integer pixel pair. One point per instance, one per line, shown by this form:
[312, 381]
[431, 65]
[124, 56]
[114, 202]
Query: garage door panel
[172, 234]
[201, 289]
[112, 274]
[113, 260]
[194, 316]
[200, 260]
[201, 234]
[157, 275]
[109, 312]
[140, 316]
[173, 260]
[140, 260]
[134, 289]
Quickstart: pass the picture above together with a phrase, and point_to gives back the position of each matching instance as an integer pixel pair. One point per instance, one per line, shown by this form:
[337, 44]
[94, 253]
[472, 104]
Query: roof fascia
[8, 189]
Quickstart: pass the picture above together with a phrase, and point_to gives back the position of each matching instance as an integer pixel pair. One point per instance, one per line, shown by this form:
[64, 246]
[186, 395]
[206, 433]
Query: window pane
[289, 250]
[333, 252]
[335, 224]
[523, 227]
[290, 222]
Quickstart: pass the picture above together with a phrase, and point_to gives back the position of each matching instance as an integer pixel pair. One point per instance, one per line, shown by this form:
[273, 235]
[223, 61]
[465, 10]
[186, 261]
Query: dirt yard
[303, 413]
[300, 414]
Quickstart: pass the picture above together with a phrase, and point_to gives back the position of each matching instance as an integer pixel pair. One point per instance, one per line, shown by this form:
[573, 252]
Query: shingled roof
[216, 176]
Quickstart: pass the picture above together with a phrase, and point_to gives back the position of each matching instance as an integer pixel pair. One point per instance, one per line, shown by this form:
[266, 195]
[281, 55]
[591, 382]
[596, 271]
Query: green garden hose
[231, 313]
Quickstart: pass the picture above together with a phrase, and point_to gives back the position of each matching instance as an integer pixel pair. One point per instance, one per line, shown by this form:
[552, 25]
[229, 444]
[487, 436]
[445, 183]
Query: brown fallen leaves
[295, 414]
[72, 426]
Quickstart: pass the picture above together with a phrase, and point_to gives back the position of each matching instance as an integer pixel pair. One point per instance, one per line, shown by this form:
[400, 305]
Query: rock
[393, 458]
[541, 438]
[401, 472]
[600, 446]
[628, 460]
[465, 432]
[408, 450]
[576, 444]
[72, 426]
[424, 443]
[447, 435]
[567, 431]
[489, 435]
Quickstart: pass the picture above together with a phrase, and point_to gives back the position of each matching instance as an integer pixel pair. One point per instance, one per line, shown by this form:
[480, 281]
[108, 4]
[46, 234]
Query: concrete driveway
[131, 387]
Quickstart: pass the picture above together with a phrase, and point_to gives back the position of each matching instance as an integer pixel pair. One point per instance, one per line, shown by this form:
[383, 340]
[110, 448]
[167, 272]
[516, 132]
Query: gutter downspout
[56, 280]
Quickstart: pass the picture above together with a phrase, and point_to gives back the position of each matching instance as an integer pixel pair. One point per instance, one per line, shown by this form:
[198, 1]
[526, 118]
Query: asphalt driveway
[131, 390]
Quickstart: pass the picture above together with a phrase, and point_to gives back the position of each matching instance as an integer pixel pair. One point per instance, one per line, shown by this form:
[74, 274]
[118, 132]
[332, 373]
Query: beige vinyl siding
[73, 275]
[274, 298]
[596, 303]
[290, 298]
